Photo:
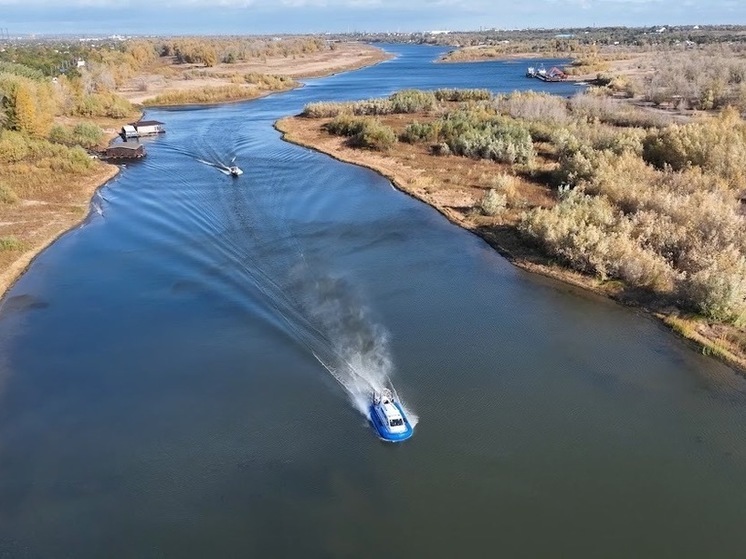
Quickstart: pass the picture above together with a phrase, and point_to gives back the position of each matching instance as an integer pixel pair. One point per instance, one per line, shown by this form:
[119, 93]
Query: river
[179, 376]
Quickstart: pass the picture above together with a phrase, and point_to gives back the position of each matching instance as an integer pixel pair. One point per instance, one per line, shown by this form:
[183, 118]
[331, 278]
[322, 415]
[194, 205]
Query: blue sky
[299, 16]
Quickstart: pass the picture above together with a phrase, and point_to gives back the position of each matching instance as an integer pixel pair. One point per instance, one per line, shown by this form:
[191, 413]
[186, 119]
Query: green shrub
[102, 105]
[345, 125]
[324, 109]
[364, 132]
[719, 290]
[60, 135]
[84, 134]
[374, 135]
[87, 135]
[493, 202]
[412, 101]
[9, 243]
[16, 147]
[20, 70]
[495, 138]
[717, 145]
[417, 132]
[460, 95]
[7, 194]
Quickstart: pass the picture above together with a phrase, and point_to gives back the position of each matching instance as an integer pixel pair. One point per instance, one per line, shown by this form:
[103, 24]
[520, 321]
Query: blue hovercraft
[388, 418]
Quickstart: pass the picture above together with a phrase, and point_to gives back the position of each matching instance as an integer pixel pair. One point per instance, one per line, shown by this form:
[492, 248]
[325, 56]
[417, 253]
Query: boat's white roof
[391, 411]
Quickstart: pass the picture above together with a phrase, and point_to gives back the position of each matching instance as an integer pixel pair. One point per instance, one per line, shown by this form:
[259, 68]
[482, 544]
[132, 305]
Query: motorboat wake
[233, 169]
[388, 417]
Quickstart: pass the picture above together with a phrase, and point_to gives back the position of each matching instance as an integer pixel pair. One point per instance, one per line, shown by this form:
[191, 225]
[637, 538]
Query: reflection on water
[161, 391]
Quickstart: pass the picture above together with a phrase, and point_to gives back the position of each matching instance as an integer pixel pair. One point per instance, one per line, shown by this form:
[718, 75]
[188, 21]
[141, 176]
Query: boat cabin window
[396, 422]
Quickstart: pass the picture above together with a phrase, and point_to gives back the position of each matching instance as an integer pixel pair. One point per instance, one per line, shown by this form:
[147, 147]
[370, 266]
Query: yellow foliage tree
[30, 104]
[25, 109]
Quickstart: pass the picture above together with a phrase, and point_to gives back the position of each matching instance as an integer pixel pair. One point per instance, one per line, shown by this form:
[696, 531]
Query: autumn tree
[28, 105]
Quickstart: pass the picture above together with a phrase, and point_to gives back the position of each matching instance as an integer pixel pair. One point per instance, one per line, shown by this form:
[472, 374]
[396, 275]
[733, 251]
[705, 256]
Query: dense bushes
[710, 78]
[717, 144]
[475, 131]
[16, 147]
[461, 95]
[495, 138]
[676, 229]
[84, 134]
[101, 105]
[412, 101]
[364, 132]
[477, 134]
[419, 132]
[639, 199]
[401, 102]
[532, 106]
[21, 70]
[595, 237]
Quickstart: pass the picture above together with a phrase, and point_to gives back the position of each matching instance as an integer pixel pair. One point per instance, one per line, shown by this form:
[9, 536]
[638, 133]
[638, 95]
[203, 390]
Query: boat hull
[383, 432]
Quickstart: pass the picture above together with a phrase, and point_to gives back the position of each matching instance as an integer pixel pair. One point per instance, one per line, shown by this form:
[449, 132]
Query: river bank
[456, 187]
[36, 215]
[178, 84]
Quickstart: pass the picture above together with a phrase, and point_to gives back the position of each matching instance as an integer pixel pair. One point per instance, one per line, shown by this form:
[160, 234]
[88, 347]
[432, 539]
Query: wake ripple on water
[350, 345]
[321, 311]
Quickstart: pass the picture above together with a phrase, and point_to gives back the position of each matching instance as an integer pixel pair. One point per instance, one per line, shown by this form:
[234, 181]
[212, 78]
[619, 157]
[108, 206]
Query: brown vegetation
[645, 209]
[273, 67]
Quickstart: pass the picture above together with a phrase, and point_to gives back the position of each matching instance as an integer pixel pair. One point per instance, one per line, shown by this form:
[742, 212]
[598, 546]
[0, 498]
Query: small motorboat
[388, 417]
[234, 170]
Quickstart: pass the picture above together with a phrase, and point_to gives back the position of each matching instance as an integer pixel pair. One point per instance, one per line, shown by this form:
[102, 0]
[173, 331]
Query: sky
[319, 16]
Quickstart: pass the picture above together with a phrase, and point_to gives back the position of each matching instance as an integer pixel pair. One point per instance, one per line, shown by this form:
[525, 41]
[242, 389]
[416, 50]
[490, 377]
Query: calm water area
[178, 375]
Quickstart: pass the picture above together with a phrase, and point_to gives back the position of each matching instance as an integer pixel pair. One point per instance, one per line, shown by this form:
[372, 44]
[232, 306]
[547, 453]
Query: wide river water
[181, 375]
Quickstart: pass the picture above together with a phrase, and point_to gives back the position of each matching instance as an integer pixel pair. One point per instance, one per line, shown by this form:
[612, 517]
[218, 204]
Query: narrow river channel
[165, 384]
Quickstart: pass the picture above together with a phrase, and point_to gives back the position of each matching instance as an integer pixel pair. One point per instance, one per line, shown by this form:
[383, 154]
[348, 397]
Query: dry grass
[205, 95]
[51, 186]
[166, 76]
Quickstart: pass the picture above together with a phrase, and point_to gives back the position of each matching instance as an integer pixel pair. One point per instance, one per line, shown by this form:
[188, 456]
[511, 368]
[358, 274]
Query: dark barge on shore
[124, 151]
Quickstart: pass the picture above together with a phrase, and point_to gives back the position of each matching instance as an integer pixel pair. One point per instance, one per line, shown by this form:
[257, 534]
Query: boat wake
[318, 309]
[223, 168]
[350, 344]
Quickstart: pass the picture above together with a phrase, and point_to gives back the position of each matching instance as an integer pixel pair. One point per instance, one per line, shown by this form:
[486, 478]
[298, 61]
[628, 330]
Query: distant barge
[553, 75]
